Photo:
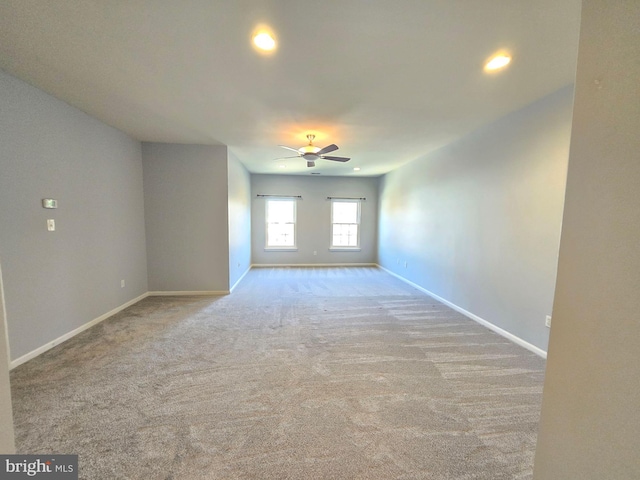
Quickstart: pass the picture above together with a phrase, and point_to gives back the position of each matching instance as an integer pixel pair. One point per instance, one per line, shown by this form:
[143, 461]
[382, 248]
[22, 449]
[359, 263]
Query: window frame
[293, 247]
[352, 248]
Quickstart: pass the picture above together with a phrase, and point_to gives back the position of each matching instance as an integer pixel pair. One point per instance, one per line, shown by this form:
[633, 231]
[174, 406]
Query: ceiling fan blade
[327, 149]
[284, 158]
[335, 159]
[310, 163]
[289, 148]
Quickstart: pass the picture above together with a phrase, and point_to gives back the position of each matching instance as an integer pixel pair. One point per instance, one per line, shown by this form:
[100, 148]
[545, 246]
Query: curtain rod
[280, 196]
[346, 198]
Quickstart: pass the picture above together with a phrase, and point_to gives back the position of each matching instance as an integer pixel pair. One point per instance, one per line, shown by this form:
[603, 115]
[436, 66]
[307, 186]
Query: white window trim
[283, 248]
[341, 248]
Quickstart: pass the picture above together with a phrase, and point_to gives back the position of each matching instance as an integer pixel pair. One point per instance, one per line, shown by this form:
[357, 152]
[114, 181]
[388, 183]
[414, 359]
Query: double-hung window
[281, 223]
[345, 224]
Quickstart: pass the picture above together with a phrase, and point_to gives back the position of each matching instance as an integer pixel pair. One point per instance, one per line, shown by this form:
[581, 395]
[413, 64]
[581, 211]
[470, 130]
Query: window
[281, 223]
[345, 224]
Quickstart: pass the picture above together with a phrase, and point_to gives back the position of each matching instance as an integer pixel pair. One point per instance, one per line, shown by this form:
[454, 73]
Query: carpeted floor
[332, 373]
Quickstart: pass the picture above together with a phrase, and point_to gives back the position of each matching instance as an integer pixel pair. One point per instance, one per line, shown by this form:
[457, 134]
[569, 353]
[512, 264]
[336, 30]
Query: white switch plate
[51, 224]
[547, 321]
[121, 283]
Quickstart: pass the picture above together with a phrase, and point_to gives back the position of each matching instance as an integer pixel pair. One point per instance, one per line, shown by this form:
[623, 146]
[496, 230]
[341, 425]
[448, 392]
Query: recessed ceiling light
[356, 169]
[498, 61]
[281, 166]
[264, 40]
[315, 173]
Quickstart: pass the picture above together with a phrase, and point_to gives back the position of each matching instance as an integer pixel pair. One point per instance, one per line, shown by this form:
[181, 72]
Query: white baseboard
[34, 353]
[73, 333]
[189, 293]
[240, 279]
[275, 265]
[49, 345]
[510, 336]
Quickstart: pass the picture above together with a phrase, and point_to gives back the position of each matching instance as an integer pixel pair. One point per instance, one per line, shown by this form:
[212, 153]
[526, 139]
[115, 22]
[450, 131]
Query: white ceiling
[388, 81]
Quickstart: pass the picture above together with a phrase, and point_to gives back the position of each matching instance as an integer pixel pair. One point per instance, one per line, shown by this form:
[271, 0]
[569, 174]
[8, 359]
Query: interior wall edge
[7, 436]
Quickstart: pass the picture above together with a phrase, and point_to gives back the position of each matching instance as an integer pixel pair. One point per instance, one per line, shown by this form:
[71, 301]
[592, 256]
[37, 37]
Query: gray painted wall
[186, 217]
[314, 217]
[478, 222]
[590, 424]
[58, 281]
[239, 219]
[7, 443]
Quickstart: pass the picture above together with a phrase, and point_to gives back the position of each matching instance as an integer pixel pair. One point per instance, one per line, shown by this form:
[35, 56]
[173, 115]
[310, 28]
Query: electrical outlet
[315, 252]
[405, 264]
[547, 321]
[121, 283]
[51, 225]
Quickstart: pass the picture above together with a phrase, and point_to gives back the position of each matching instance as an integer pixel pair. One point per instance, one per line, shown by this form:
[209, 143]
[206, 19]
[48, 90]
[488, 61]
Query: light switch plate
[51, 224]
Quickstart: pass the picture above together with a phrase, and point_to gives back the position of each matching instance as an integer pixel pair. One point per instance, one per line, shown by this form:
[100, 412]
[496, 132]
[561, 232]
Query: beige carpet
[332, 373]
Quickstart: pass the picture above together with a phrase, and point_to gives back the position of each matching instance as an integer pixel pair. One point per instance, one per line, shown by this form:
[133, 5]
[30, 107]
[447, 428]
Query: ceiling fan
[312, 153]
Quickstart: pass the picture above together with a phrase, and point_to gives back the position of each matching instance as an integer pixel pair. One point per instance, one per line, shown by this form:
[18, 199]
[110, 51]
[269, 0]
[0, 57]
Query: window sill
[344, 249]
[281, 249]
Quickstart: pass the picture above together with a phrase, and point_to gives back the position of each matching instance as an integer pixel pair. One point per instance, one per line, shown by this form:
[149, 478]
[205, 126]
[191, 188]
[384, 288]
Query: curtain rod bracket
[279, 196]
[346, 198]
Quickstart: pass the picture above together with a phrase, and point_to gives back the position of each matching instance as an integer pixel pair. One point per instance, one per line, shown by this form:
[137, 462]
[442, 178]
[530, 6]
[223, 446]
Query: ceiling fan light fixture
[308, 149]
[311, 153]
